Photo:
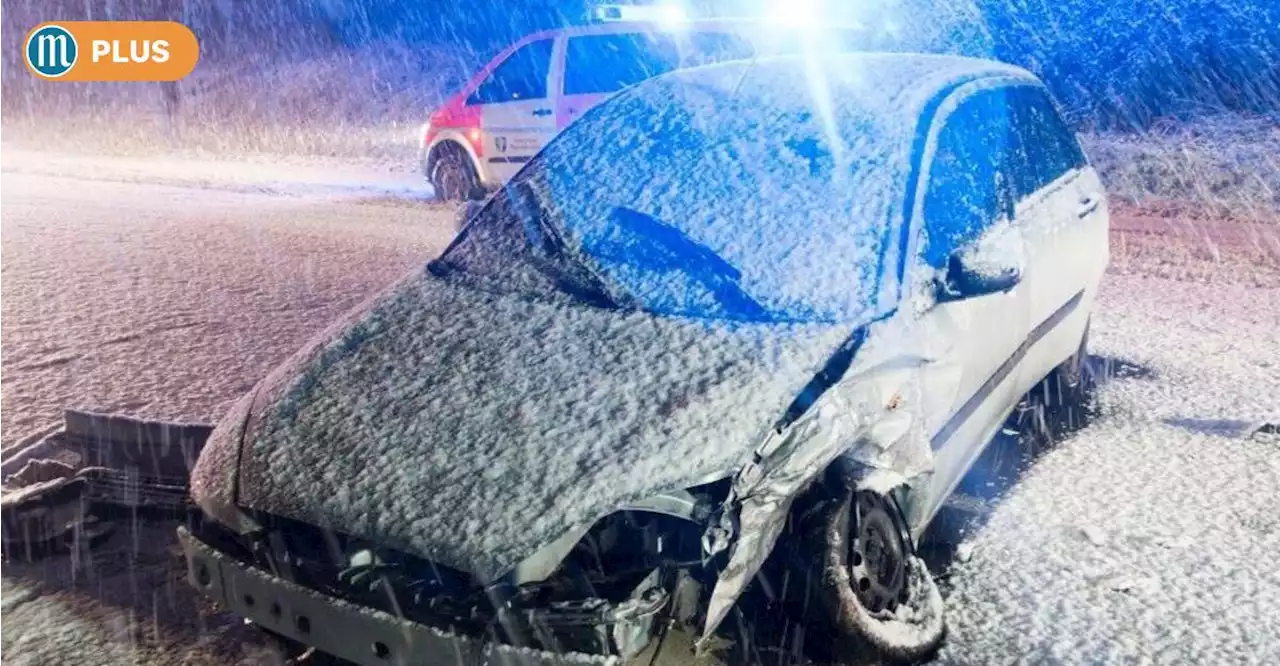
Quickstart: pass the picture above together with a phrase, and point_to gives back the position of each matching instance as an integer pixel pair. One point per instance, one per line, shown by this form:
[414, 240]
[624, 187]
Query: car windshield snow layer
[684, 197]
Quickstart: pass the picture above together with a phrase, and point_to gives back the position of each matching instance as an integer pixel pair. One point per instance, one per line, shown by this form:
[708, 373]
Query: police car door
[970, 386]
[517, 108]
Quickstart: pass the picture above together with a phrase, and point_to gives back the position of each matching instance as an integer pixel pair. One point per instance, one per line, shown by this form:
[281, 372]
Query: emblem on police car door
[501, 143]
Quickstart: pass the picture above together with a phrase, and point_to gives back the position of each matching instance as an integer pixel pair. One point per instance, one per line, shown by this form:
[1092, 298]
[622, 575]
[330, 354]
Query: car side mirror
[979, 270]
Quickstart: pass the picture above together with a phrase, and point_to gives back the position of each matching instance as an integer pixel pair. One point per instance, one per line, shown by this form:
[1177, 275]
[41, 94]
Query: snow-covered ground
[1153, 534]
[167, 300]
[167, 288]
[315, 177]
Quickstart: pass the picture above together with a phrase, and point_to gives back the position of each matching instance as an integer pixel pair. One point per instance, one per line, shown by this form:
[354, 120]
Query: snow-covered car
[537, 86]
[754, 339]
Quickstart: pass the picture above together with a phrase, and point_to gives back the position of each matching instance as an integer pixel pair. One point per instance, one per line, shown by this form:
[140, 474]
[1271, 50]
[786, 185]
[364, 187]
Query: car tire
[452, 176]
[877, 592]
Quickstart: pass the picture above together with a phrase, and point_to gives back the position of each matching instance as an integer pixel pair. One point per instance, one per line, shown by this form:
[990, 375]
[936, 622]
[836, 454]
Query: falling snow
[160, 259]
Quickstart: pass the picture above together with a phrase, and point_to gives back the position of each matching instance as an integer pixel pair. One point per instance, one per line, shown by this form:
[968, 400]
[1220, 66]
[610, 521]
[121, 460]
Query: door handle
[541, 112]
[1087, 205]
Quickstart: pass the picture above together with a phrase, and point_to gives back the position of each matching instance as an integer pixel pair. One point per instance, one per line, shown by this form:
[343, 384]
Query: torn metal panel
[95, 459]
[869, 417]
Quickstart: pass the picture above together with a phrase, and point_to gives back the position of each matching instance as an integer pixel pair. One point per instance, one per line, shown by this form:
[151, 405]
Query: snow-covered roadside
[1150, 536]
[170, 302]
[278, 176]
[124, 602]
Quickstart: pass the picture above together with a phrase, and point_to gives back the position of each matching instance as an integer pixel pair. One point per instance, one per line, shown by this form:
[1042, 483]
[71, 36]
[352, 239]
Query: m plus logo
[51, 51]
[111, 51]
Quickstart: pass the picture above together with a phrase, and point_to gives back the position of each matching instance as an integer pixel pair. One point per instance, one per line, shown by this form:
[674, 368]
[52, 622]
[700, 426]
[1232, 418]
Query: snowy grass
[1165, 239]
[1227, 164]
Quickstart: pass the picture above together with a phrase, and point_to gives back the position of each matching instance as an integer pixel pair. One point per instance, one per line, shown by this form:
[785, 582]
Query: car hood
[471, 428]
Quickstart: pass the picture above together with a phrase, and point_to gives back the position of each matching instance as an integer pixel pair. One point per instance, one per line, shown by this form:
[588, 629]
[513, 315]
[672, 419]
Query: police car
[534, 88]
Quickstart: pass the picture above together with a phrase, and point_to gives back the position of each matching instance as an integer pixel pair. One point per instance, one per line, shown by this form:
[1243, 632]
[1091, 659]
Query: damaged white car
[736, 311]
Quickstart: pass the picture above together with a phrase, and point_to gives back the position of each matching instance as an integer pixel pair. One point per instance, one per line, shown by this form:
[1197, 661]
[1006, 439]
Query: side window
[523, 75]
[1045, 147]
[968, 188]
[608, 63]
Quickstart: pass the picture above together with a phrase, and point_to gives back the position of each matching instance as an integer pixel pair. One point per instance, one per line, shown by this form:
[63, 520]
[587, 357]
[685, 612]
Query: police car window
[1045, 147]
[608, 63]
[968, 187]
[523, 75]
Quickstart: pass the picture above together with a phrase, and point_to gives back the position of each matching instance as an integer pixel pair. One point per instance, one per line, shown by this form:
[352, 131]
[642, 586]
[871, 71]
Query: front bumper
[358, 634]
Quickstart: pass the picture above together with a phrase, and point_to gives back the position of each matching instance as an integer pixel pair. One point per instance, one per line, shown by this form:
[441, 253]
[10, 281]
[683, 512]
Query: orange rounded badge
[111, 51]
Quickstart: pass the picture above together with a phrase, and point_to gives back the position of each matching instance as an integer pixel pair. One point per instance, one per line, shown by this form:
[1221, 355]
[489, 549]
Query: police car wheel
[452, 177]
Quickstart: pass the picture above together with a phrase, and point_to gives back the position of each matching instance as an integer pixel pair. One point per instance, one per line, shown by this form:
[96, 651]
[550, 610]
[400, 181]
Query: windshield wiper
[692, 258]
[569, 275]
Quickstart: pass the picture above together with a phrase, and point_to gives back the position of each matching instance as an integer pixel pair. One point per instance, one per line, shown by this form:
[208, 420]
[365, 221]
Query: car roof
[694, 25]
[741, 26]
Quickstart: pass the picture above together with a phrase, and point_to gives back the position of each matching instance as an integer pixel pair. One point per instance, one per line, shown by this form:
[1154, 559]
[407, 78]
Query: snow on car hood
[472, 428]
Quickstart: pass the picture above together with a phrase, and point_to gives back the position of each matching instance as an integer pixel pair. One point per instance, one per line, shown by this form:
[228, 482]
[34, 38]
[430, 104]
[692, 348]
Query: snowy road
[1147, 537]
[1152, 535]
[167, 301]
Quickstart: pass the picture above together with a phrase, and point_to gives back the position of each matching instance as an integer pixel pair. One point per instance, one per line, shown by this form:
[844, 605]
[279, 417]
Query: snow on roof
[793, 170]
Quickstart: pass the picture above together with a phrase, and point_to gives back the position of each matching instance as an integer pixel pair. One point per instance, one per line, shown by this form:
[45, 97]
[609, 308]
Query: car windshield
[707, 195]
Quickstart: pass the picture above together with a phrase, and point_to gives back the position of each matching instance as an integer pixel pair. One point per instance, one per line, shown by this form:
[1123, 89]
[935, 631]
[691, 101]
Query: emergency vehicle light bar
[668, 13]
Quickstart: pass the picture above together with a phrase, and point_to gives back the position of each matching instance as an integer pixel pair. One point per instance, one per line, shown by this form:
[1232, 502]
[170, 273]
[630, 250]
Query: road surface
[166, 301]
[1149, 534]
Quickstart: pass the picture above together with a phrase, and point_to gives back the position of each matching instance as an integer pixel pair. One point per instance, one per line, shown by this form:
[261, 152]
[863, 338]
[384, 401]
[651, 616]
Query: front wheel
[876, 589]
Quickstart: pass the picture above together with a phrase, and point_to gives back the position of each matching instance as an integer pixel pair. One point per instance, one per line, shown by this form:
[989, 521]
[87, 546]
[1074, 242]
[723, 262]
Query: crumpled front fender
[869, 417]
